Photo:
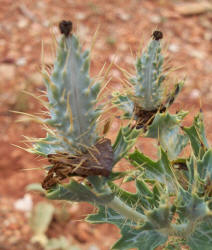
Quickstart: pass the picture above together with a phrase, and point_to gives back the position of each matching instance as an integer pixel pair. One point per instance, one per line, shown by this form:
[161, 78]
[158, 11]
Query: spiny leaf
[124, 103]
[108, 215]
[190, 207]
[161, 170]
[204, 166]
[48, 145]
[125, 139]
[146, 193]
[196, 134]
[201, 238]
[145, 238]
[75, 191]
[166, 128]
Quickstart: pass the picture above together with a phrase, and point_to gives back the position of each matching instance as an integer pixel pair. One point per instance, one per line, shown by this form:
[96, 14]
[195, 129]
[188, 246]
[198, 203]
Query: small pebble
[80, 16]
[174, 48]
[21, 61]
[155, 19]
[93, 247]
[195, 94]
[25, 204]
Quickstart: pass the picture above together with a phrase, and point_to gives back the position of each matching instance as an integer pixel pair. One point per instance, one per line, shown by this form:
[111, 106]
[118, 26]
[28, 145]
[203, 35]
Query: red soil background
[123, 26]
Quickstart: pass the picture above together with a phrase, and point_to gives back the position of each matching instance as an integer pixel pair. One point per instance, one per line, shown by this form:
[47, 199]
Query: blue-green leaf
[124, 103]
[190, 207]
[204, 166]
[166, 128]
[125, 139]
[108, 215]
[196, 134]
[75, 191]
[201, 238]
[161, 170]
[144, 238]
[147, 196]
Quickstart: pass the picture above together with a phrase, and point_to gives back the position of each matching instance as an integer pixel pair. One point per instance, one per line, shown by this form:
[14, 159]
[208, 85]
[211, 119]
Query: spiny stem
[121, 208]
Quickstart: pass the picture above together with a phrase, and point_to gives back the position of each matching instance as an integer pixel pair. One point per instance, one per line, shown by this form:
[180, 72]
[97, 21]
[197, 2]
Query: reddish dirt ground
[123, 26]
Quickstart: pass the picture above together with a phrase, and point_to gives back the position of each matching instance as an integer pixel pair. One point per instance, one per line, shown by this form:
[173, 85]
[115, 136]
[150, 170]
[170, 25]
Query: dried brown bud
[157, 35]
[65, 27]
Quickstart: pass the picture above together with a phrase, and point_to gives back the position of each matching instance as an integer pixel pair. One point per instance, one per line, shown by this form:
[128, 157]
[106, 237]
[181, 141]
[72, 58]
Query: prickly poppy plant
[172, 205]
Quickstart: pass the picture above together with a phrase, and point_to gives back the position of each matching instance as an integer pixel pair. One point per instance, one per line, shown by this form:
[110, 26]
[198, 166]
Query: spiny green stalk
[72, 96]
[146, 103]
[147, 91]
[148, 81]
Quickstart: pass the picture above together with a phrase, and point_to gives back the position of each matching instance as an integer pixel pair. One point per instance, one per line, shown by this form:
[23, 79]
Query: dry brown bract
[98, 160]
[145, 117]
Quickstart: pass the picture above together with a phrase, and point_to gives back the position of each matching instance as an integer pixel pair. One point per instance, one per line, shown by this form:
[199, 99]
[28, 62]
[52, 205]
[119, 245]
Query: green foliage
[77, 192]
[196, 134]
[160, 171]
[166, 129]
[172, 204]
[145, 236]
[124, 141]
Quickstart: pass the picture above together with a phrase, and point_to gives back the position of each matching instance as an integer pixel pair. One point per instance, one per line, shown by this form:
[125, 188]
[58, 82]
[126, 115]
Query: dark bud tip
[65, 27]
[157, 35]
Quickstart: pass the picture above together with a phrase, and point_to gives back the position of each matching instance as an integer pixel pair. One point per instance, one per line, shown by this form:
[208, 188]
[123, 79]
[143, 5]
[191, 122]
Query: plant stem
[121, 208]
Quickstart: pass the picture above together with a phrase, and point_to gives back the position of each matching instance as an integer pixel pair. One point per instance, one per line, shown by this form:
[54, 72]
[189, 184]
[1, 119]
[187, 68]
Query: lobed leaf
[77, 192]
[125, 139]
[201, 238]
[160, 171]
[166, 128]
[196, 134]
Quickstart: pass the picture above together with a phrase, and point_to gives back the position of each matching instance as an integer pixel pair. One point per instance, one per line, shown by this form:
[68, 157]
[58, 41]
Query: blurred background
[124, 28]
